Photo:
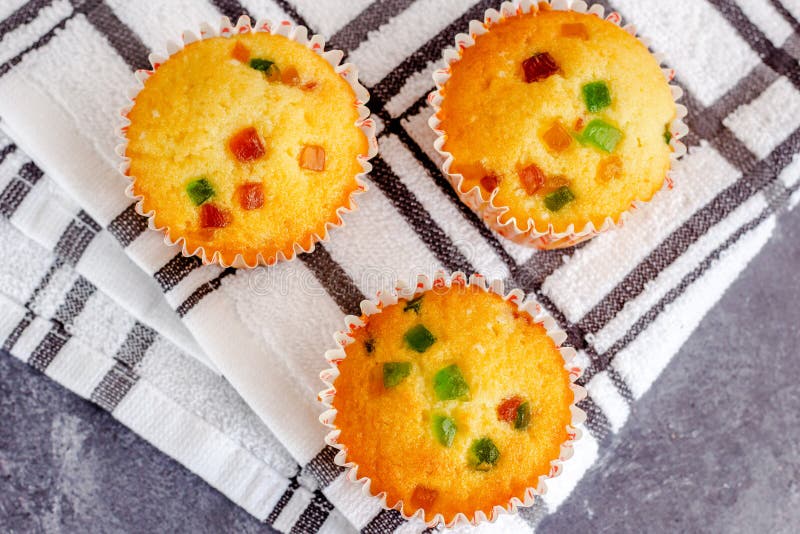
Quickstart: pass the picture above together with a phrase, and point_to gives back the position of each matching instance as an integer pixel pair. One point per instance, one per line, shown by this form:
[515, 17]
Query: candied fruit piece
[532, 178]
[602, 135]
[523, 417]
[539, 67]
[247, 145]
[578, 124]
[413, 305]
[423, 497]
[609, 169]
[444, 429]
[450, 384]
[559, 198]
[596, 95]
[395, 372]
[251, 195]
[507, 410]
[483, 454]
[213, 217]
[419, 338]
[240, 52]
[199, 190]
[575, 30]
[268, 67]
[309, 86]
[312, 157]
[557, 138]
[667, 134]
[489, 182]
[290, 76]
[369, 345]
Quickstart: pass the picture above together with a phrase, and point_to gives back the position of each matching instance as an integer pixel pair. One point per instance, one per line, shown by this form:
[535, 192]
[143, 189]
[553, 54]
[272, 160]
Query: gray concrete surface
[713, 447]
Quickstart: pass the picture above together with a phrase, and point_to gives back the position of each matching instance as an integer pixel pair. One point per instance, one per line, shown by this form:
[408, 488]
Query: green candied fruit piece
[264, 65]
[394, 373]
[667, 134]
[523, 418]
[419, 338]
[199, 190]
[559, 198]
[369, 345]
[444, 429]
[413, 305]
[597, 96]
[602, 135]
[449, 384]
[483, 454]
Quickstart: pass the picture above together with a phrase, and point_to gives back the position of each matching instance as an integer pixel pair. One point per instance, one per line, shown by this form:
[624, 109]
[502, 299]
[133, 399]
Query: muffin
[453, 401]
[249, 145]
[559, 121]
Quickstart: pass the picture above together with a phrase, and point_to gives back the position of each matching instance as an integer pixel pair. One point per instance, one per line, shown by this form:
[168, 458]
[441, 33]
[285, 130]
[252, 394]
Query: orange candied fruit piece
[609, 169]
[290, 76]
[213, 217]
[532, 178]
[490, 182]
[251, 195]
[423, 497]
[312, 157]
[576, 29]
[247, 145]
[507, 410]
[557, 137]
[240, 52]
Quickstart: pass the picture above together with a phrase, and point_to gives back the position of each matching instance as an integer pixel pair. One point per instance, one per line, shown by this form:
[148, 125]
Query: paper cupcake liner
[484, 205]
[441, 282]
[296, 33]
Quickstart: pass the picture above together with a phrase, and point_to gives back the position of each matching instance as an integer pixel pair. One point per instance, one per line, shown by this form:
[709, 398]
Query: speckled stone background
[714, 446]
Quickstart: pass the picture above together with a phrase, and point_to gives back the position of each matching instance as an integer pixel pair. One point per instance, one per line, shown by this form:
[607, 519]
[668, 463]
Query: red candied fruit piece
[251, 195]
[507, 410]
[240, 52]
[539, 67]
[213, 217]
[489, 182]
[533, 178]
[423, 497]
[247, 145]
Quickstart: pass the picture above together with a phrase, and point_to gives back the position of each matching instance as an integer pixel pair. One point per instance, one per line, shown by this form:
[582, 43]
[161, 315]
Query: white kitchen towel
[628, 299]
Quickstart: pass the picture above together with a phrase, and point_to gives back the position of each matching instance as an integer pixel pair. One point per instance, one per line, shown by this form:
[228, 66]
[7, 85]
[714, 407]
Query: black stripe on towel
[283, 500]
[371, 18]
[175, 270]
[127, 226]
[385, 522]
[15, 192]
[198, 294]
[74, 302]
[334, 279]
[48, 348]
[25, 14]
[5, 151]
[124, 40]
[75, 239]
[40, 42]
[139, 339]
[314, 516]
[113, 387]
[323, 468]
[233, 9]
[15, 334]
